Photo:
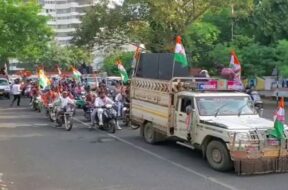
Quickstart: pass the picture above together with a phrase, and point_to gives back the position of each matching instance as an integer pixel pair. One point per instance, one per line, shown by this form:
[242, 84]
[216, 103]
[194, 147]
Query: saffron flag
[235, 65]
[122, 71]
[278, 131]
[43, 79]
[180, 55]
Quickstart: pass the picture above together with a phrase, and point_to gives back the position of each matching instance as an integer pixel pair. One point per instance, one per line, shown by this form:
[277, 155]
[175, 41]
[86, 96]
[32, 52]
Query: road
[37, 156]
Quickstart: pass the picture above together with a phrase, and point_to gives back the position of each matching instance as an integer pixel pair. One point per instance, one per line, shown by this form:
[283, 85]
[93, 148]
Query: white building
[65, 16]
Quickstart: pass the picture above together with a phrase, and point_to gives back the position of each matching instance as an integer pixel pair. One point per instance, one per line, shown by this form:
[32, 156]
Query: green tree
[146, 21]
[270, 20]
[110, 62]
[64, 57]
[200, 38]
[282, 57]
[24, 32]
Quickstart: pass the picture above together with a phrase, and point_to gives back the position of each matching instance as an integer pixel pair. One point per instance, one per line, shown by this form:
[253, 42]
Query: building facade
[65, 16]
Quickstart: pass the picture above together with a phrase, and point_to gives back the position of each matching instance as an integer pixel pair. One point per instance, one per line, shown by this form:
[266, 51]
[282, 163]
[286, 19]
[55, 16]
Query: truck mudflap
[259, 155]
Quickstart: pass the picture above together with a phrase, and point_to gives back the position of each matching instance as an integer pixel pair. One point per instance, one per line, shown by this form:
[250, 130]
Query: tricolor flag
[43, 79]
[278, 131]
[180, 55]
[76, 74]
[122, 71]
[235, 65]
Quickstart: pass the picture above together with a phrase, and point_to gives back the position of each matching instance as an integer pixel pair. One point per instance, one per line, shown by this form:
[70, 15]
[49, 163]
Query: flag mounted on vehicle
[180, 55]
[278, 131]
[235, 65]
[122, 71]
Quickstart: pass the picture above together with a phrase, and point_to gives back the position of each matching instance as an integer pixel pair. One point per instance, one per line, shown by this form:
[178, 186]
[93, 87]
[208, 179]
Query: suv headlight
[241, 136]
[7, 88]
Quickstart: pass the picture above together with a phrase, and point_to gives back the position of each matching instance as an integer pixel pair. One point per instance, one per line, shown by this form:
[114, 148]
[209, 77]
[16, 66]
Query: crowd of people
[63, 92]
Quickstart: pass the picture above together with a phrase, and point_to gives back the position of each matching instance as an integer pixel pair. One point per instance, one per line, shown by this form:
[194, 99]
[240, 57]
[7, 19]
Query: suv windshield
[211, 106]
[4, 82]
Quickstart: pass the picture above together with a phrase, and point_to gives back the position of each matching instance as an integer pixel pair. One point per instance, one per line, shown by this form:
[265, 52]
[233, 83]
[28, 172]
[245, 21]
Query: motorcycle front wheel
[68, 123]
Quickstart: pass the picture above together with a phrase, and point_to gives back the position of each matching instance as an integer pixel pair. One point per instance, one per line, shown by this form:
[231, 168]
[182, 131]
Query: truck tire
[218, 156]
[149, 133]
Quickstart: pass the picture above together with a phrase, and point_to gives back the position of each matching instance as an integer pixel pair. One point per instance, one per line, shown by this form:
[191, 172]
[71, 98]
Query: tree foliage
[110, 62]
[146, 21]
[211, 29]
[64, 57]
[24, 33]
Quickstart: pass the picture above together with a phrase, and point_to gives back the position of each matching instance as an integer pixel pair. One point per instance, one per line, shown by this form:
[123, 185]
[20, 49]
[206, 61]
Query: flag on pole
[278, 131]
[76, 74]
[180, 55]
[235, 65]
[43, 79]
[122, 71]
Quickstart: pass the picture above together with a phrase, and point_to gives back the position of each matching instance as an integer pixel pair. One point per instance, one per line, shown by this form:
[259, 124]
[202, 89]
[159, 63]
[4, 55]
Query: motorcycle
[87, 113]
[65, 117]
[36, 101]
[80, 100]
[109, 119]
[126, 114]
[52, 113]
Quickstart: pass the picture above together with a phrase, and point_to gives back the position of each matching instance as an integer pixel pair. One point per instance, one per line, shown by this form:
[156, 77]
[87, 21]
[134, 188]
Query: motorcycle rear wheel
[111, 126]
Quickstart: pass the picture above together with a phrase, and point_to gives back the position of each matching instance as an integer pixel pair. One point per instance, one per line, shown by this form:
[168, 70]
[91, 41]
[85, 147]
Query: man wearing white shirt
[63, 102]
[16, 91]
[99, 103]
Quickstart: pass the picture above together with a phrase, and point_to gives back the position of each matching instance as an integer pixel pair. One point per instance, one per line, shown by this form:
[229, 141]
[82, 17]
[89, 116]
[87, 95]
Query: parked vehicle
[223, 125]
[4, 88]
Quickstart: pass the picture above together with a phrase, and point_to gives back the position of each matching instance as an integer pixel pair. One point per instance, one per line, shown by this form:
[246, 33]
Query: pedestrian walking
[16, 91]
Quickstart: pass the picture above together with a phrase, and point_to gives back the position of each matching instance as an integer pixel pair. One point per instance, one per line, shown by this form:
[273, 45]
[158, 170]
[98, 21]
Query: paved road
[36, 156]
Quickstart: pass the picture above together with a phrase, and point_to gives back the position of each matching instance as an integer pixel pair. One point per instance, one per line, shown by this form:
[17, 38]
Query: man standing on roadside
[16, 91]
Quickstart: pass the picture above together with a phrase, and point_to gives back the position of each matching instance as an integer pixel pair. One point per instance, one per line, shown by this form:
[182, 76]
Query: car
[4, 88]
[93, 82]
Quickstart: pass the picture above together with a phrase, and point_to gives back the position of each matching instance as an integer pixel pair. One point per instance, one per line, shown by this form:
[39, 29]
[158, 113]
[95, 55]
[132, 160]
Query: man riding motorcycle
[99, 104]
[63, 102]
